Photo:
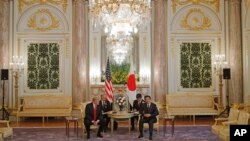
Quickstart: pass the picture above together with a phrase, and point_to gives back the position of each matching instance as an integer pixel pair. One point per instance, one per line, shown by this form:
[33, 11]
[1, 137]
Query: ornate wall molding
[213, 3]
[22, 4]
[43, 20]
[196, 20]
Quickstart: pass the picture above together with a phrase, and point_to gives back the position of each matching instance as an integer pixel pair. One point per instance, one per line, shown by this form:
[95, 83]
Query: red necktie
[94, 112]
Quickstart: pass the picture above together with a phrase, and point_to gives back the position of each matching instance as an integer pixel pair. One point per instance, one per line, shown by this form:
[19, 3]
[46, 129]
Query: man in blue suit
[148, 112]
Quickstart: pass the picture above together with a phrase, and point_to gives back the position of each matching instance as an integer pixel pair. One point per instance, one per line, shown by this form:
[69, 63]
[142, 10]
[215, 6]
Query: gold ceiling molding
[23, 3]
[215, 3]
[43, 20]
[195, 20]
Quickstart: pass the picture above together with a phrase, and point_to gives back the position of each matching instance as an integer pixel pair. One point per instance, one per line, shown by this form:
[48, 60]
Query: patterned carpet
[182, 133]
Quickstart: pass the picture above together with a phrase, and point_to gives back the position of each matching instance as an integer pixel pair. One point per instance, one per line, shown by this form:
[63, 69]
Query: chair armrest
[20, 108]
[220, 120]
[229, 122]
[216, 106]
[5, 122]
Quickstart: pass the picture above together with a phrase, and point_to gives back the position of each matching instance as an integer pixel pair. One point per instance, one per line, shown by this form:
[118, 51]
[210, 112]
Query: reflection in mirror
[120, 53]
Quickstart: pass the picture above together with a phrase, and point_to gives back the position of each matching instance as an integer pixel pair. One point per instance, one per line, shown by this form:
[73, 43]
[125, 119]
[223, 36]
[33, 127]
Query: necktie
[94, 112]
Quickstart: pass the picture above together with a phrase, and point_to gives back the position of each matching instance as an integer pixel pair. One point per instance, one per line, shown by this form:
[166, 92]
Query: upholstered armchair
[157, 124]
[5, 129]
[82, 118]
[221, 122]
[243, 119]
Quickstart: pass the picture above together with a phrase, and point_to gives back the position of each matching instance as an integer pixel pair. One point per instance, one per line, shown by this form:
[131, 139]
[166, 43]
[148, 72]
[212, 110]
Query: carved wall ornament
[196, 20]
[23, 3]
[214, 3]
[43, 20]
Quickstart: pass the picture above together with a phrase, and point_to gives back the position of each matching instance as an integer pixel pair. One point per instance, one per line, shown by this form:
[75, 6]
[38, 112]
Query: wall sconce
[16, 67]
[219, 63]
[94, 77]
[144, 77]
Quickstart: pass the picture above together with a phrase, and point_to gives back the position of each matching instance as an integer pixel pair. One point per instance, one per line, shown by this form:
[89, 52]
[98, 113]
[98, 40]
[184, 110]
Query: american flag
[108, 83]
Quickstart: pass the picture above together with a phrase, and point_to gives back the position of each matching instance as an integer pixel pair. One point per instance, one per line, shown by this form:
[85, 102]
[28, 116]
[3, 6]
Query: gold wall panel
[213, 3]
[24, 3]
[195, 20]
[43, 20]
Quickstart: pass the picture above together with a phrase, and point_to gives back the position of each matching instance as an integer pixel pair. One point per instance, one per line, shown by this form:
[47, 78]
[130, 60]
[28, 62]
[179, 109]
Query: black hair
[147, 96]
[138, 95]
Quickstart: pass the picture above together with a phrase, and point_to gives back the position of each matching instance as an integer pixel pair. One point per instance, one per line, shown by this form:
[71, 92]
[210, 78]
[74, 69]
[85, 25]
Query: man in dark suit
[136, 108]
[106, 107]
[148, 112]
[93, 116]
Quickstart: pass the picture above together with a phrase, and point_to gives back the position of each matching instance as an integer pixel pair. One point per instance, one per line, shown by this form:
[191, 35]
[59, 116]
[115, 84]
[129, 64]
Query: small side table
[75, 121]
[166, 119]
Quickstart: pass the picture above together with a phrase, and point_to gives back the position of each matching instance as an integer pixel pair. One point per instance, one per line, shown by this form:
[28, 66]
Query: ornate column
[80, 53]
[159, 62]
[4, 43]
[235, 52]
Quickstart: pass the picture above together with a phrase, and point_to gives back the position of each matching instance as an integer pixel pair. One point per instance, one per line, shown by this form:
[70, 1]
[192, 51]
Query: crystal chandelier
[108, 13]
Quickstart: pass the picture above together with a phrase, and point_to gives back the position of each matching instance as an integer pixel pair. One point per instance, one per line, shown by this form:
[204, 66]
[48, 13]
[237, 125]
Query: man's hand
[96, 122]
[147, 115]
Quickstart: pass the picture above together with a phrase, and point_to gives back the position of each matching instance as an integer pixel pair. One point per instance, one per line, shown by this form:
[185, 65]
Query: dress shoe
[150, 138]
[88, 136]
[132, 129]
[99, 135]
[140, 136]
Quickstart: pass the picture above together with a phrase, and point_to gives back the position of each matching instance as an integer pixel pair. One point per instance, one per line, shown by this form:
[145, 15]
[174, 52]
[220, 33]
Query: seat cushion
[44, 112]
[192, 111]
[6, 131]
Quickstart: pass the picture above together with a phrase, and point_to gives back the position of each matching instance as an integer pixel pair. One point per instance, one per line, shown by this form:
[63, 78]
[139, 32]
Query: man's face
[96, 101]
[148, 100]
[104, 97]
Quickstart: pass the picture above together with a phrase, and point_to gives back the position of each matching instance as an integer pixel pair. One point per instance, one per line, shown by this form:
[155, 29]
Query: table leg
[172, 127]
[77, 129]
[74, 126]
[112, 125]
[165, 127]
[66, 128]
[129, 125]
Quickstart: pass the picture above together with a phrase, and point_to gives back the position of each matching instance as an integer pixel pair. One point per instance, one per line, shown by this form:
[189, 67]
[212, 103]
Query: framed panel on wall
[195, 65]
[44, 65]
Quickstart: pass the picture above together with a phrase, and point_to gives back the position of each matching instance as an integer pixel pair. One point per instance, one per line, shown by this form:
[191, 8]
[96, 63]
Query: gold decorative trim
[145, 44]
[205, 23]
[176, 3]
[66, 45]
[23, 3]
[95, 47]
[18, 46]
[32, 22]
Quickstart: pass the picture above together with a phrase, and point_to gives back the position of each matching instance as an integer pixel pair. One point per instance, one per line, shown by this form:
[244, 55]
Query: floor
[60, 122]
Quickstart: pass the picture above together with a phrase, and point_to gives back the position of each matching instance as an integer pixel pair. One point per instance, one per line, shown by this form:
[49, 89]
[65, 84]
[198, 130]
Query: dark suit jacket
[153, 110]
[89, 113]
[106, 107]
[136, 105]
